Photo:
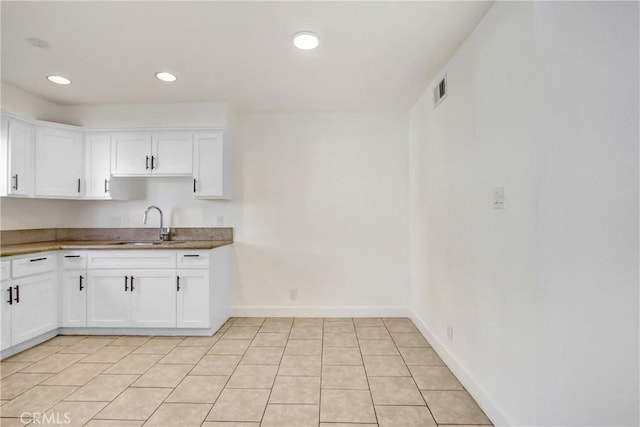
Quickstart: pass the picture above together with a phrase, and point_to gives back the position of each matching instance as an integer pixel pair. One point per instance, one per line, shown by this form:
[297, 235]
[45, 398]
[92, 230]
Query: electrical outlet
[293, 294]
[220, 221]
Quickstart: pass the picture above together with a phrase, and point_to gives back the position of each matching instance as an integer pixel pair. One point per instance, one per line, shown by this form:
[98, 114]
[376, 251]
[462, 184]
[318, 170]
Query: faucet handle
[165, 233]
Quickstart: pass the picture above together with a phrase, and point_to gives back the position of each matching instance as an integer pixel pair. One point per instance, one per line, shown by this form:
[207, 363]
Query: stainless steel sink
[146, 243]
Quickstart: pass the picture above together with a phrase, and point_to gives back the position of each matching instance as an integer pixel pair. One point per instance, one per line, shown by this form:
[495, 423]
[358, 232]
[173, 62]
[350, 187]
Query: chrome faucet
[164, 232]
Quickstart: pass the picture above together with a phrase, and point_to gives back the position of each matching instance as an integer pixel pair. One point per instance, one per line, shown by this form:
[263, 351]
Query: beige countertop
[29, 248]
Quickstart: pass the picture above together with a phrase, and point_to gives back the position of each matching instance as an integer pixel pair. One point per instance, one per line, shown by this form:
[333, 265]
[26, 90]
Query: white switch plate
[498, 198]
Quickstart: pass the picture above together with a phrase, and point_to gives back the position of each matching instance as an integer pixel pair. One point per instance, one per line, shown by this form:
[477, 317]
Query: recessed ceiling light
[305, 40]
[59, 80]
[166, 77]
[43, 44]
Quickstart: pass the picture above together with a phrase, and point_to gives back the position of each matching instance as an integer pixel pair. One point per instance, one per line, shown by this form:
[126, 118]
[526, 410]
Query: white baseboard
[475, 389]
[319, 311]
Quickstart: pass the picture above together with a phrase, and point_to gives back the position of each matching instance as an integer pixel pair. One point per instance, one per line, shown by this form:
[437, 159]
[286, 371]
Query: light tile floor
[280, 372]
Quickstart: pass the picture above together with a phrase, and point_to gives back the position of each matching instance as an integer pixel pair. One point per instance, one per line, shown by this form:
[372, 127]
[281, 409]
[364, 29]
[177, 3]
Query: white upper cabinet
[17, 158]
[212, 160]
[59, 162]
[99, 184]
[143, 154]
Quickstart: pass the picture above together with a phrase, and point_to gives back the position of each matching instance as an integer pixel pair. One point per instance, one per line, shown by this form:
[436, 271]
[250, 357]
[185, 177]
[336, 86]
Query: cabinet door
[20, 158]
[211, 166]
[108, 298]
[193, 299]
[74, 298]
[5, 316]
[98, 161]
[59, 166]
[35, 307]
[172, 153]
[153, 299]
[131, 154]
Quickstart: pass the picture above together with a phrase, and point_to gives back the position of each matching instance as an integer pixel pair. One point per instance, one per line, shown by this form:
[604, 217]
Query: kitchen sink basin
[146, 243]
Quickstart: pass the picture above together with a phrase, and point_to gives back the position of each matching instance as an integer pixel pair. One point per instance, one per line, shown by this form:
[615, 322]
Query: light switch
[498, 198]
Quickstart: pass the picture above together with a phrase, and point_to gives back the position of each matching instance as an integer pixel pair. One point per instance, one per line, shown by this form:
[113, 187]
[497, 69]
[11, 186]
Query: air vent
[440, 91]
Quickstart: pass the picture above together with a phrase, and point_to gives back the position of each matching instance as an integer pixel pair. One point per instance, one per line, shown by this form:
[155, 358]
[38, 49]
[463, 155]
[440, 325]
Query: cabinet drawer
[5, 270]
[131, 259]
[74, 259]
[193, 259]
[38, 263]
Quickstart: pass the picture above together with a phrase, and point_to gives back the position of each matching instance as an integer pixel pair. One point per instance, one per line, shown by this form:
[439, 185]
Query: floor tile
[156, 347]
[103, 388]
[133, 340]
[109, 354]
[198, 389]
[339, 328]
[12, 422]
[239, 405]
[368, 322]
[347, 425]
[230, 347]
[298, 390]
[378, 348]
[262, 356]
[340, 340]
[346, 406]
[179, 415]
[375, 333]
[8, 368]
[249, 321]
[279, 325]
[420, 356]
[37, 399]
[308, 322]
[214, 364]
[303, 366]
[240, 333]
[409, 339]
[53, 364]
[64, 340]
[435, 378]
[253, 376]
[134, 364]
[163, 376]
[76, 413]
[200, 341]
[394, 391]
[113, 423]
[35, 354]
[227, 424]
[385, 366]
[400, 325]
[134, 404]
[306, 333]
[344, 378]
[341, 356]
[337, 319]
[18, 383]
[454, 407]
[290, 415]
[304, 347]
[77, 374]
[270, 339]
[87, 345]
[404, 416]
[184, 355]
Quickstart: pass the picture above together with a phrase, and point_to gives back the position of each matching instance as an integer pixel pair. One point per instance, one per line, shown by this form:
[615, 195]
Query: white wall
[473, 267]
[543, 296]
[587, 106]
[25, 104]
[324, 210]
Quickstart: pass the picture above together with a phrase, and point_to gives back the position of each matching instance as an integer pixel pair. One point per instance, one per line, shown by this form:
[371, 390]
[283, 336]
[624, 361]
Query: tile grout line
[364, 367]
[277, 370]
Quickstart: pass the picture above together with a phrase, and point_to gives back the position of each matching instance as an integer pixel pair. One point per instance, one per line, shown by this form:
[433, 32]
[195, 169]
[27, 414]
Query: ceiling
[373, 56]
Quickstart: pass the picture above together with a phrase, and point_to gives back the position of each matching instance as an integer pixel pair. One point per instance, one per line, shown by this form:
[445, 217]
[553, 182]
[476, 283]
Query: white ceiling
[373, 56]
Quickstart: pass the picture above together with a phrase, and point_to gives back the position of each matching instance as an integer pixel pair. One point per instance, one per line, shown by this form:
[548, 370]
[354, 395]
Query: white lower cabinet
[153, 299]
[108, 298]
[74, 298]
[193, 310]
[29, 305]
